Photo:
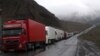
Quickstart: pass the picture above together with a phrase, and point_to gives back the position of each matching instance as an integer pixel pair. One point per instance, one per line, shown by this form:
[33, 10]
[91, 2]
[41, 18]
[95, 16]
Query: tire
[53, 41]
[49, 41]
[44, 46]
[29, 47]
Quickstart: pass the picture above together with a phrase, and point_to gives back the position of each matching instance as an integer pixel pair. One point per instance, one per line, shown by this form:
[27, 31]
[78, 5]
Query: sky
[69, 7]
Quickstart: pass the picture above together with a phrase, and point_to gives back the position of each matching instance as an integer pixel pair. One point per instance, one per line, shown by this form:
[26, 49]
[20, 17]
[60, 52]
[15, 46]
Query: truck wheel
[44, 46]
[49, 41]
[29, 47]
[26, 47]
[53, 41]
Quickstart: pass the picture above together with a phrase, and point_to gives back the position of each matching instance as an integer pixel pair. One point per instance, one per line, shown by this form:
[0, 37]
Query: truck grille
[12, 44]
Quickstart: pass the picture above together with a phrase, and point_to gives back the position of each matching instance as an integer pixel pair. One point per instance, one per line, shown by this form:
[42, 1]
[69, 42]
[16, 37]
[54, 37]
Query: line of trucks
[28, 34]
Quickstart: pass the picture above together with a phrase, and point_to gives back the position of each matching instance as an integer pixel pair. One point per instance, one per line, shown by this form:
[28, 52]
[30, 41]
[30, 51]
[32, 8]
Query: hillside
[93, 35]
[96, 21]
[73, 26]
[21, 9]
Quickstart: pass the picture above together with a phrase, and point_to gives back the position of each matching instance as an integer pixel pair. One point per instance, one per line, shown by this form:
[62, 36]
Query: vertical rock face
[21, 9]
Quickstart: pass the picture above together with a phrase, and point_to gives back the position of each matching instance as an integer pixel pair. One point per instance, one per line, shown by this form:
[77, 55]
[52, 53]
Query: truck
[23, 35]
[70, 34]
[65, 35]
[60, 34]
[50, 34]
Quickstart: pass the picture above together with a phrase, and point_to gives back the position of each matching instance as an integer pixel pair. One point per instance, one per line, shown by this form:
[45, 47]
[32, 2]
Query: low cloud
[70, 7]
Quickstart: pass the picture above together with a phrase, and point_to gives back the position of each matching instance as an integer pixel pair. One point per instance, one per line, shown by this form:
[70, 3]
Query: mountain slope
[21, 9]
[93, 35]
[96, 21]
[73, 26]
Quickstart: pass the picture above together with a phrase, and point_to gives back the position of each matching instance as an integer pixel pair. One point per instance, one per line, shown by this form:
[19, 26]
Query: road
[62, 48]
[69, 47]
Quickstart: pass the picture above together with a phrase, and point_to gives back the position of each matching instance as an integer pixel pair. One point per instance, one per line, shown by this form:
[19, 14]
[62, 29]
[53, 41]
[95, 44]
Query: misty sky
[67, 7]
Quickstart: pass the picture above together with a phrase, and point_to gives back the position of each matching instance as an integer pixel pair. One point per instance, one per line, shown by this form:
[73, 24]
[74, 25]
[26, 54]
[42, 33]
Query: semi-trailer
[23, 35]
[60, 34]
[50, 34]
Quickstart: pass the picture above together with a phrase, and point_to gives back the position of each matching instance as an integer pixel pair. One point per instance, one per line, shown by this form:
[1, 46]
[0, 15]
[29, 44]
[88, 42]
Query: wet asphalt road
[63, 48]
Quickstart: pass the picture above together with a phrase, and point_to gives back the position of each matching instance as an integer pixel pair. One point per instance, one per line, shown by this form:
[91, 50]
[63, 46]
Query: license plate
[11, 50]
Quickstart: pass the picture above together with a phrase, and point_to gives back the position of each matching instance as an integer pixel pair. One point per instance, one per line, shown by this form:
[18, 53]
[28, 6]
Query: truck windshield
[12, 32]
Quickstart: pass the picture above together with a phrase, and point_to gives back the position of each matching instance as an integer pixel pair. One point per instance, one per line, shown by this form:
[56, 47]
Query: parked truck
[23, 35]
[60, 34]
[50, 34]
[65, 35]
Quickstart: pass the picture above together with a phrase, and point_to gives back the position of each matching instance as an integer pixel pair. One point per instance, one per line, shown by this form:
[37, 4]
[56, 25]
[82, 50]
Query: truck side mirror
[23, 31]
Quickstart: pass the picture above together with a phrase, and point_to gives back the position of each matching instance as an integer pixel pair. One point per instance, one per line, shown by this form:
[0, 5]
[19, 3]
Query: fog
[67, 8]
